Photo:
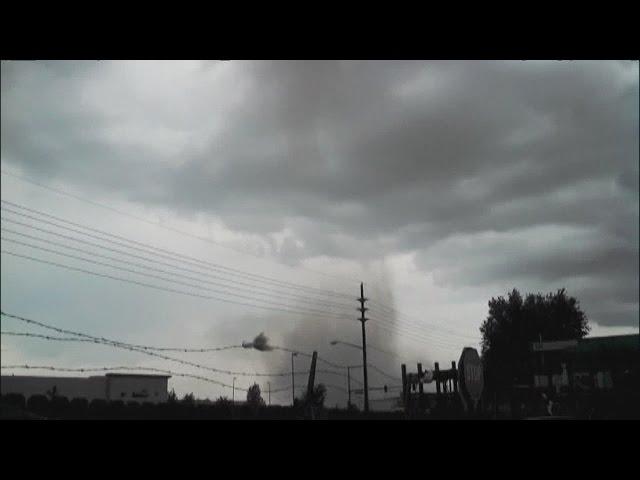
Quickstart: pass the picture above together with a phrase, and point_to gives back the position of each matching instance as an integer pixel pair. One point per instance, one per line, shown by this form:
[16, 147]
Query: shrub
[59, 407]
[38, 404]
[78, 408]
[15, 400]
[98, 408]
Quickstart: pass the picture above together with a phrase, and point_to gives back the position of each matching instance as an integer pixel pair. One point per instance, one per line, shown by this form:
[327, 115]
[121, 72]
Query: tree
[318, 396]
[53, 393]
[189, 399]
[513, 324]
[172, 398]
[223, 401]
[254, 399]
[223, 407]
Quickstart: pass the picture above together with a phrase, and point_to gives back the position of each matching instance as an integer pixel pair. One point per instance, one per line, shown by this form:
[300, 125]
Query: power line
[147, 347]
[323, 291]
[407, 333]
[105, 341]
[138, 265]
[334, 365]
[383, 373]
[133, 347]
[169, 280]
[185, 259]
[158, 224]
[430, 334]
[144, 347]
[148, 369]
[178, 282]
[150, 260]
[424, 332]
[171, 290]
[392, 311]
[117, 344]
[119, 368]
[156, 287]
[420, 331]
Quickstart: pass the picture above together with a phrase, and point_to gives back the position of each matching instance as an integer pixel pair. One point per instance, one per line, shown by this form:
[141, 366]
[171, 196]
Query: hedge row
[40, 406]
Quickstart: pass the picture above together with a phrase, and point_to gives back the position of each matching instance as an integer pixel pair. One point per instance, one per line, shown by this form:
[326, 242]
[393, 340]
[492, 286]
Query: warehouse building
[112, 386]
[588, 364]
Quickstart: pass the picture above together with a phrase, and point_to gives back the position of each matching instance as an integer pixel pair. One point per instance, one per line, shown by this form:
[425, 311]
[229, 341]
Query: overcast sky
[438, 184]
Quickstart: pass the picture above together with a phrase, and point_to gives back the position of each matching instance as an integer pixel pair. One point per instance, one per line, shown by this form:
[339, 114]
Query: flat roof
[629, 342]
[84, 378]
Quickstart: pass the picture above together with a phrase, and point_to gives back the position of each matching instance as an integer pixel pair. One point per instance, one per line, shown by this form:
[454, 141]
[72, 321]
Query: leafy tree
[189, 399]
[254, 398]
[318, 396]
[513, 323]
[223, 402]
[53, 393]
[172, 398]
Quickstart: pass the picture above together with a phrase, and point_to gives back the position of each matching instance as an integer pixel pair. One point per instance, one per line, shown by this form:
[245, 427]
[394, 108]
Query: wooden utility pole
[363, 309]
[312, 374]
[454, 378]
[312, 377]
[349, 386]
[420, 389]
[293, 381]
[405, 389]
[233, 391]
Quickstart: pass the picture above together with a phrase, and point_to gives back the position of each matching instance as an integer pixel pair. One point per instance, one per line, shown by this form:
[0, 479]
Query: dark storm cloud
[363, 159]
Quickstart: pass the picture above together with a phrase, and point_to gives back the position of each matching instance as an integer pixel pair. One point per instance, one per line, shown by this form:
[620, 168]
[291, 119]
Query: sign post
[471, 378]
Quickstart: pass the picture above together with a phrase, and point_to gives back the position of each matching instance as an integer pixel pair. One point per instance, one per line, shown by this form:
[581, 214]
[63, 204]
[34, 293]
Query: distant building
[112, 386]
[588, 364]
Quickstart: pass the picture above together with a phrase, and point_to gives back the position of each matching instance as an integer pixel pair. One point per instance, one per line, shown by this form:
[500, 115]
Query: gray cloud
[358, 160]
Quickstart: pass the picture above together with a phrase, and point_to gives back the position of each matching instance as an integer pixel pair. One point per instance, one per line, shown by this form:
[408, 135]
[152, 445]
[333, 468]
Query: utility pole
[233, 390]
[293, 381]
[310, 385]
[269, 384]
[405, 389]
[363, 309]
[420, 390]
[233, 398]
[349, 386]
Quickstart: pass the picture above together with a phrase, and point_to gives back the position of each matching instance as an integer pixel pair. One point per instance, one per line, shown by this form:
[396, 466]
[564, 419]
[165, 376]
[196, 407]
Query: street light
[335, 342]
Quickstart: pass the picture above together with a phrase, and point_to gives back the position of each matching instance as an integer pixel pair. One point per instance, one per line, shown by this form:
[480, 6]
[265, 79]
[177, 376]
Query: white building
[112, 386]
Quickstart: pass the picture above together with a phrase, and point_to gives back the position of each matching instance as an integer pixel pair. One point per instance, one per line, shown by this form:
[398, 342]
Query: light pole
[335, 342]
[233, 390]
[293, 388]
[349, 367]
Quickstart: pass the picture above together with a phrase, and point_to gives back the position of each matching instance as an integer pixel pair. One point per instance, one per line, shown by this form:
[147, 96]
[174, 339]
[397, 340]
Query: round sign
[471, 377]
